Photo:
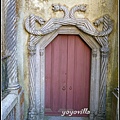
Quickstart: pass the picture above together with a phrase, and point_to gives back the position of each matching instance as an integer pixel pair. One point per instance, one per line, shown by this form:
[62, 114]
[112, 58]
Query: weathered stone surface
[95, 9]
[8, 104]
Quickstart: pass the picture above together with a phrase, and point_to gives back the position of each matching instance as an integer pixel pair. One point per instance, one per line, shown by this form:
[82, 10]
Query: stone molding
[85, 29]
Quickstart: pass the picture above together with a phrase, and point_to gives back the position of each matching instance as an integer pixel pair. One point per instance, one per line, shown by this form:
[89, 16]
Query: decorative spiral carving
[69, 19]
[32, 19]
[58, 7]
[107, 25]
[76, 8]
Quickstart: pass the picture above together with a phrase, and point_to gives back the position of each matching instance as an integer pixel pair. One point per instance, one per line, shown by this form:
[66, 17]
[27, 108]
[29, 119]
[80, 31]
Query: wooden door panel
[48, 79]
[81, 82]
[70, 72]
[63, 72]
[86, 83]
[57, 70]
[55, 74]
[67, 71]
[78, 75]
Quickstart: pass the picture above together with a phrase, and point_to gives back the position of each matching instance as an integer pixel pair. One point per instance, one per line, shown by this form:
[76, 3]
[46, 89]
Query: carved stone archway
[97, 41]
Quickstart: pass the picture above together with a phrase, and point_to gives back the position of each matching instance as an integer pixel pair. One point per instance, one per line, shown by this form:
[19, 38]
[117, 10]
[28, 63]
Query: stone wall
[13, 106]
[95, 9]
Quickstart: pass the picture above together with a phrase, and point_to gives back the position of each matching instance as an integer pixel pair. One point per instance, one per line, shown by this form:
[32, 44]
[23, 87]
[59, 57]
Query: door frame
[40, 67]
[68, 24]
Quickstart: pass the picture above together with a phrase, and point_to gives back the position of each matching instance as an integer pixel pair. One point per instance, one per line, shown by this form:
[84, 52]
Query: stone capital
[32, 49]
[104, 51]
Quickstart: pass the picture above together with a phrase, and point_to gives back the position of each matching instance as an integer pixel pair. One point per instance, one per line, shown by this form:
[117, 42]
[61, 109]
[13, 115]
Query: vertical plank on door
[70, 72]
[82, 73]
[56, 67]
[63, 71]
[78, 76]
[55, 74]
[48, 77]
[87, 67]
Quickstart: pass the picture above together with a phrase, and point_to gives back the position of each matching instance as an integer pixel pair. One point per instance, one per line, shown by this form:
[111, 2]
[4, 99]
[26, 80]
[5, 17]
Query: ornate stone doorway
[97, 41]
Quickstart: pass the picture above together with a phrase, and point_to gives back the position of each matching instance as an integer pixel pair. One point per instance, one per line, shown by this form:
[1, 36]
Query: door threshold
[64, 118]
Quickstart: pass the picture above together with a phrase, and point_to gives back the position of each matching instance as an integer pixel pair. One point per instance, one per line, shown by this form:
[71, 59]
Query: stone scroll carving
[83, 25]
[69, 19]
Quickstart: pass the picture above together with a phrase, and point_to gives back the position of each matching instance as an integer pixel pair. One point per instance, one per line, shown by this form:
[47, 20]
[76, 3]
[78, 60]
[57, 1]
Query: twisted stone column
[11, 40]
[32, 107]
[32, 49]
[103, 74]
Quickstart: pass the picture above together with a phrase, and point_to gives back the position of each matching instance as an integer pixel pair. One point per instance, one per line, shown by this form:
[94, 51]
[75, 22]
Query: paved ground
[64, 118]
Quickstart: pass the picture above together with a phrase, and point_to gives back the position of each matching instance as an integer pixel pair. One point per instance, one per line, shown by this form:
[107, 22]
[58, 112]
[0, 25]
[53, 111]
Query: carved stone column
[30, 26]
[94, 75]
[32, 107]
[11, 42]
[32, 50]
[102, 88]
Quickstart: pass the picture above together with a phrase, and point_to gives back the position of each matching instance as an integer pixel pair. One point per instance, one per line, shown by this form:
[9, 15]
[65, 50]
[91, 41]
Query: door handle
[70, 88]
[63, 88]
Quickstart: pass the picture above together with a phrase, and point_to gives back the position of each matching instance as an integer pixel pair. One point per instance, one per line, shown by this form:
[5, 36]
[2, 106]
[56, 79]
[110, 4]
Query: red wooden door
[67, 75]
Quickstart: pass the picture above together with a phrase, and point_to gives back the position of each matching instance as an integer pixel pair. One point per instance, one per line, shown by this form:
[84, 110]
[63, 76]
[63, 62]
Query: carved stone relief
[83, 25]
